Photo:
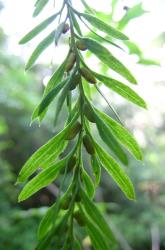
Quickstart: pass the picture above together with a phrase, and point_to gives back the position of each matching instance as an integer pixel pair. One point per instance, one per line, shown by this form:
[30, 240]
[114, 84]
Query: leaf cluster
[74, 205]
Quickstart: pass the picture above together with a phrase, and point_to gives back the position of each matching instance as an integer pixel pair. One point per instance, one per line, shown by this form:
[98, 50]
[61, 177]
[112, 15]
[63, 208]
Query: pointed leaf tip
[117, 173]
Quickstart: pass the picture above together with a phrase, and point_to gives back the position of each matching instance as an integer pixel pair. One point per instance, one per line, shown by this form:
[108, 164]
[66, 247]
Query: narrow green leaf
[106, 39]
[46, 154]
[43, 179]
[133, 48]
[45, 242]
[54, 80]
[134, 12]
[122, 134]
[121, 89]
[39, 49]
[87, 88]
[51, 215]
[117, 173]
[95, 215]
[87, 7]
[37, 1]
[110, 140]
[50, 97]
[96, 169]
[148, 61]
[113, 6]
[58, 229]
[47, 221]
[99, 24]
[77, 245]
[56, 77]
[61, 99]
[97, 236]
[107, 136]
[76, 25]
[34, 32]
[108, 59]
[75, 108]
[42, 158]
[39, 7]
[88, 184]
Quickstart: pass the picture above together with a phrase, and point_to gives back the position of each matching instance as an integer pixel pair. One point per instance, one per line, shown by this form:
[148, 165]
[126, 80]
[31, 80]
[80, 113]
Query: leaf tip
[34, 13]
[126, 38]
[133, 198]
[139, 156]
[132, 195]
[21, 41]
[134, 81]
[32, 120]
[20, 178]
[20, 198]
[145, 106]
[26, 68]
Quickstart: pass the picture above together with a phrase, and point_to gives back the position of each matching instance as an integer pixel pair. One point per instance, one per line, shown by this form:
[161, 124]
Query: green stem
[81, 91]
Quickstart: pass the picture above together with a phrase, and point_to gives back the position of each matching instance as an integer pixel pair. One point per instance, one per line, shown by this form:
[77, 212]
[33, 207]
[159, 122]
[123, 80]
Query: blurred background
[137, 225]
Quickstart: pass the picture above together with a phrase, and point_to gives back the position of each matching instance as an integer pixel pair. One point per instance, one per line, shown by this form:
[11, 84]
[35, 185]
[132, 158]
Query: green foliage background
[133, 222]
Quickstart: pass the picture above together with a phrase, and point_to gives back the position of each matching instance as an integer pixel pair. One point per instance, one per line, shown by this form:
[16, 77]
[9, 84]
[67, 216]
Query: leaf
[50, 97]
[37, 1]
[113, 6]
[47, 221]
[105, 39]
[59, 31]
[46, 154]
[96, 169]
[122, 134]
[42, 158]
[87, 7]
[117, 173]
[88, 184]
[61, 99]
[39, 49]
[95, 215]
[107, 136]
[39, 7]
[43, 179]
[76, 25]
[147, 61]
[45, 242]
[87, 88]
[133, 48]
[75, 108]
[106, 28]
[110, 140]
[34, 32]
[51, 215]
[122, 90]
[54, 80]
[56, 77]
[99, 241]
[134, 12]
[97, 236]
[108, 59]
[77, 245]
